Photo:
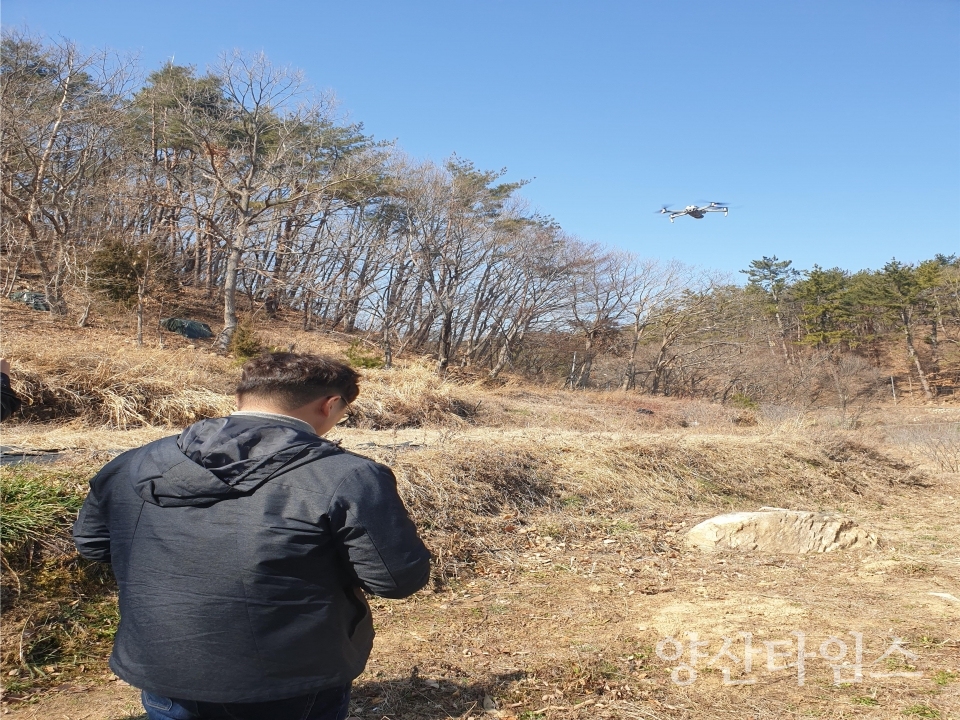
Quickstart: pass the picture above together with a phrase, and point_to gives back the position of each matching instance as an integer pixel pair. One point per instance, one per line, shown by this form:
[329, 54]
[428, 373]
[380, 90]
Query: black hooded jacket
[240, 548]
[9, 402]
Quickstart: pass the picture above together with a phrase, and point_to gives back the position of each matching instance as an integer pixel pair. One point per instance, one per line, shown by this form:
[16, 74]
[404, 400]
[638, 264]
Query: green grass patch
[58, 640]
[944, 677]
[571, 501]
[364, 357]
[622, 527]
[38, 502]
[921, 711]
[59, 610]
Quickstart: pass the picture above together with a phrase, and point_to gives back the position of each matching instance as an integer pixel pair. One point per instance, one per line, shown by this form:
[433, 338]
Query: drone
[694, 211]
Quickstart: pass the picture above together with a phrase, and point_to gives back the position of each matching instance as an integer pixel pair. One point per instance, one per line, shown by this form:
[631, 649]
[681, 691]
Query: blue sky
[832, 128]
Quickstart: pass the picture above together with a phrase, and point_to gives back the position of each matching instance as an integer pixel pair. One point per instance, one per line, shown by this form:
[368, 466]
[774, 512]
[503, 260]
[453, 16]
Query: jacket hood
[213, 460]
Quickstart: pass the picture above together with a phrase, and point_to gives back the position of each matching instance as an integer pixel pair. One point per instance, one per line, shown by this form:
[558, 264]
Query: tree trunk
[783, 336]
[934, 344]
[502, 359]
[583, 377]
[230, 298]
[10, 279]
[629, 381]
[307, 304]
[513, 338]
[141, 297]
[659, 369]
[51, 283]
[197, 257]
[446, 335]
[208, 289]
[82, 322]
[911, 351]
[139, 320]
[387, 348]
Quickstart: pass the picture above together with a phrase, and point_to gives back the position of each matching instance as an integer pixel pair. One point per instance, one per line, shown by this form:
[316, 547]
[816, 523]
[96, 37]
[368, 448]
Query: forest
[127, 191]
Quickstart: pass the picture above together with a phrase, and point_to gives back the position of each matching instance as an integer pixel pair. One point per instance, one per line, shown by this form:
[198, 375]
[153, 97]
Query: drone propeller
[664, 209]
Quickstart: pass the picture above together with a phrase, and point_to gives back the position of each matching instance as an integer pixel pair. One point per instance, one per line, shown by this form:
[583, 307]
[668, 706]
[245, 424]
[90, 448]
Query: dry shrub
[120, 387]
[286, 335]
[453, 488]
[412, 397]
[778, 414]
[937, 443]
[460, 492]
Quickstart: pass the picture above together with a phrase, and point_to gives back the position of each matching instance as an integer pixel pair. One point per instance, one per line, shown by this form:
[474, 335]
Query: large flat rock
[775, 530]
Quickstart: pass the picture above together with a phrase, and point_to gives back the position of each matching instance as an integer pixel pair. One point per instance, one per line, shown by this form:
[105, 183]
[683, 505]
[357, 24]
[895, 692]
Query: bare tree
[535, 292]
[657, 287]
[257, 149]
[685, 329]
[62, 115]
[600, 290]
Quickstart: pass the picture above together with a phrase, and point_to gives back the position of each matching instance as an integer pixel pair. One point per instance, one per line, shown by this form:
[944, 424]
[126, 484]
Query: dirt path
[569, 628]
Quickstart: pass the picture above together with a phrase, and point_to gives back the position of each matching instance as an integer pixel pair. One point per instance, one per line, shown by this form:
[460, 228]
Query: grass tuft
[413, 397]
[921, 710]
[37, 505]
[59, 611]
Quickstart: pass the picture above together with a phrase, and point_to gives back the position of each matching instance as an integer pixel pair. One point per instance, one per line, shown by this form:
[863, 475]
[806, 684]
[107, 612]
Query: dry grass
[473, 491]
[107, 380]
[122, 390]
[412, 397]
[491, 504]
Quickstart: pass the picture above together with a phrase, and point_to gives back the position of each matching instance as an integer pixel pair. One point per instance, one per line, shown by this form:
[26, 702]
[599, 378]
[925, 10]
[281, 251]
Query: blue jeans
[330, 704]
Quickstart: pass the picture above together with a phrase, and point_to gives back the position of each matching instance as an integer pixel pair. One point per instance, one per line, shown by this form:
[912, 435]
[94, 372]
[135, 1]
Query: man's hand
[5, 366]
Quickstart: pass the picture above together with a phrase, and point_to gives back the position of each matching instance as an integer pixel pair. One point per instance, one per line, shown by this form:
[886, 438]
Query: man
[9, 402]
[242, 548]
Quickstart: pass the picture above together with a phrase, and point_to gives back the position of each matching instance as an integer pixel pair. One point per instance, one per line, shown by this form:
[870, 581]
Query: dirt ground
[628, 623]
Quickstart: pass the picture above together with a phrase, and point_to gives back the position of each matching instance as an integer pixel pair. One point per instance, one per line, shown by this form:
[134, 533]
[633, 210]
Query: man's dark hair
[291, 380]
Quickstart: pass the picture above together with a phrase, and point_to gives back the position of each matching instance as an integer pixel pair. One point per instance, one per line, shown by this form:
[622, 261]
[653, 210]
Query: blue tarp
[192, 329]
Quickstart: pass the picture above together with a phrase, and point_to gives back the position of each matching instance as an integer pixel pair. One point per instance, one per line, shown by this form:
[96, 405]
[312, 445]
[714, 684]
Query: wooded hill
[244, 185]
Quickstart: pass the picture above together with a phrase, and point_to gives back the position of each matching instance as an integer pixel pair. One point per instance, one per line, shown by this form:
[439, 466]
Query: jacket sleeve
[90, 532]
[376, 537]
